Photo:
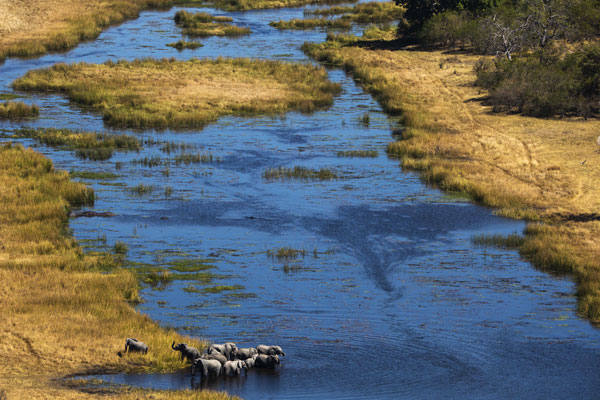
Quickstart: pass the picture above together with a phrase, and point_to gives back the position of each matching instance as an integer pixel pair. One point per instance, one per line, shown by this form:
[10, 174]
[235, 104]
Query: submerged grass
[165, 93]
[92, 175]
[65, 312]
[284, 253]
[527, 168]
[512, 241]
[358, 153]
[18, 110]
[86, 145]
[299, 173]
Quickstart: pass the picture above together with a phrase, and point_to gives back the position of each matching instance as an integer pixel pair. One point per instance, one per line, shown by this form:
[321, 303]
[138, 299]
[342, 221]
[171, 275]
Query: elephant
[206, 367]
[244, 354]
[134, 345]
[232, 368]
[266, 361]
[270, 350]
[188, 352]
[250, 362]
[226, 349]
[215, 356]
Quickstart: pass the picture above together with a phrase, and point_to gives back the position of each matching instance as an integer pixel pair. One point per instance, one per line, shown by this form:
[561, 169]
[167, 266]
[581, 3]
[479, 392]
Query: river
[391, 300]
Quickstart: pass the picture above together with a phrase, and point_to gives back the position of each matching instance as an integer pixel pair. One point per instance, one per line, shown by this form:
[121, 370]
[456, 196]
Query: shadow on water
[389, 297]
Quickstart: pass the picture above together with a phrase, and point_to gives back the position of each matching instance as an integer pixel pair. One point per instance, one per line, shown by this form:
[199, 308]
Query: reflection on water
[390, 299]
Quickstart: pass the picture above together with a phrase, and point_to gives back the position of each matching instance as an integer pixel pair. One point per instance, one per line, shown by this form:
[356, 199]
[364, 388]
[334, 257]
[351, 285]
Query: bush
[556, 86]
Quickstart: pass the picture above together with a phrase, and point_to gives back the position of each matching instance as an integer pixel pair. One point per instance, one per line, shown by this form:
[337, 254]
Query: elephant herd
[220, 359]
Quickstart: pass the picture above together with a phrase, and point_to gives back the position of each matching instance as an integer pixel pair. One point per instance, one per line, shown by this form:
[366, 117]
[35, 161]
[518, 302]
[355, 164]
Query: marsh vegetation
[152, 93]
[18, 110]
[203, 25]
[183, 44]
[299, 173]
[85, 145]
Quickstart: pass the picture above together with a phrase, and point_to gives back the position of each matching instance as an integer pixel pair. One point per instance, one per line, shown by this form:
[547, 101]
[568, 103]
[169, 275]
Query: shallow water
[396, 301]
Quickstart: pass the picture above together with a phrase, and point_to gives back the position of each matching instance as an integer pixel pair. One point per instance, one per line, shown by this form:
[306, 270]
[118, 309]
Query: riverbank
[65, 312]
[543, 170]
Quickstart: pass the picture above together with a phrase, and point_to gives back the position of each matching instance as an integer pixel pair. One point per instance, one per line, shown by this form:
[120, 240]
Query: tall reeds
[18, 110]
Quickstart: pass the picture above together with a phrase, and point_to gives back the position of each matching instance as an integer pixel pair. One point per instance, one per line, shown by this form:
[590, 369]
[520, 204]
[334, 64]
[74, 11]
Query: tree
[419, 11]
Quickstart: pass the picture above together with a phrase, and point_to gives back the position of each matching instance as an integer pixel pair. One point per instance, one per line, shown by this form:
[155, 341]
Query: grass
[285, 253]
[512, 241]
[150, 162]
[18, 110]
[365, 119]
[64, 312]
[299, 173]
[37, 27]
[203, 24]
[9, 96]
[141, 189]
[358, 153]
[243, 5]
[373, 12]
[167, 93]
[194, 158]
[92, 175]
[222, 288]
[86, 145]
[183, 44]
[311, 23]
[527, 168]
[121, 247]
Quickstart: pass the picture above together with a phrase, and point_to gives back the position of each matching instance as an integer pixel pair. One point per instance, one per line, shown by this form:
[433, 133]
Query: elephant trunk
[173, 345]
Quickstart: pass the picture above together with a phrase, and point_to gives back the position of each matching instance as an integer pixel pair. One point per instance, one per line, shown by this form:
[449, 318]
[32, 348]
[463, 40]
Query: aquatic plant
[183, 44]
[121, 247]
[141, 189]
[512, 241]
[203, 24]
[18, 110]
[358, 153]
[286, 253]
[300, 173]
[86, 145]
[92, 175]
[242, 5]
[311, 23]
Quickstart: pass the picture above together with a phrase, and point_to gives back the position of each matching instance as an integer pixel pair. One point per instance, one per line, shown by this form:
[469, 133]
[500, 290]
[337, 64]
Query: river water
[391, 299]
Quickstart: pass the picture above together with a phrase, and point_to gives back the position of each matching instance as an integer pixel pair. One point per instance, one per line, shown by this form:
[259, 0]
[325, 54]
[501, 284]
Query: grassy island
[65, 312]
[243, 5]
[543, 170]
[203, 24]
[183, 94]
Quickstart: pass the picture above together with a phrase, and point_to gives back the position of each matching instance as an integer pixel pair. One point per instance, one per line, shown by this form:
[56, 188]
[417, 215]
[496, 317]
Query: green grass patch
[190, 265]
[141, 189]
[18, 110]
[183, 44]
[358, 153]
[197, 158]
[121, 247]
[86, 145]
[299, 173]
[9, 96]
[222, 288]
[168, 93]
[150, 162]
[92, 175]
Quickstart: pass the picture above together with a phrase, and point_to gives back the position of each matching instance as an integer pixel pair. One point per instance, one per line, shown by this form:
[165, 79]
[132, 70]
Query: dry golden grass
[63, 312]
[170, 93]
[539, 169]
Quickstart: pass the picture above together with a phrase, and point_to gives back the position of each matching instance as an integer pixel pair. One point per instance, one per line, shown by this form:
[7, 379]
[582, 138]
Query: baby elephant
[134, 345]
[270, 350]
[232, 368]
[266, 361]
[244, 354]
[188, 352]
[206, 367]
